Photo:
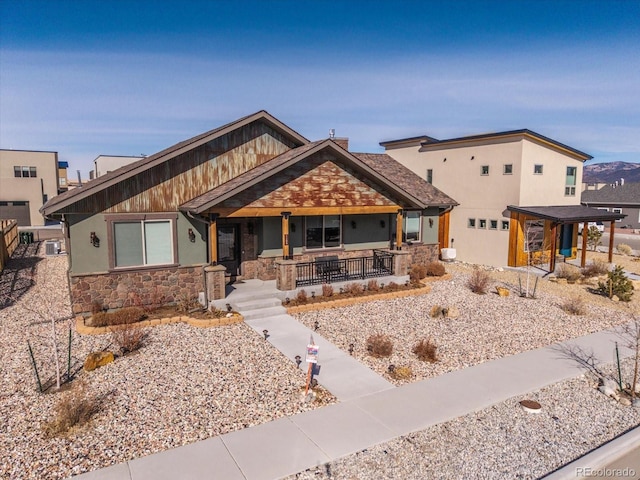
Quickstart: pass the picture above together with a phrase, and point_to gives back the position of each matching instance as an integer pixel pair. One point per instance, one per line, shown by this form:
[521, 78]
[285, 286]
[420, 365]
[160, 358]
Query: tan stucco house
[250, 199]
[495, 177]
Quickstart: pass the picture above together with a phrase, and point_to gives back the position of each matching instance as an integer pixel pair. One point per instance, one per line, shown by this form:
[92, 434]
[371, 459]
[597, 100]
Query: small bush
[119, 317]
[96, 307]
[617, 284]
[425, 349]
[435, 269]
[129, 339]
[417, 273]
[74, 409]
[379, 346]
[353, 289]
[479, 281]
[595, 268]
[373, 286]
[302, 296]
[327, 290]
[624, 249]
[574, 306]
[186, 303]
[401, 373]
[568, 271]
[393, 287]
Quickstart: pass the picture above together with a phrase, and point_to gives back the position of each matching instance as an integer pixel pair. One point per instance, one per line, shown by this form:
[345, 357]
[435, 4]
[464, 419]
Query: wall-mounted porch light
[93, 238]
[382, 224]
[353, 224]
[192, 236]
[431, 223]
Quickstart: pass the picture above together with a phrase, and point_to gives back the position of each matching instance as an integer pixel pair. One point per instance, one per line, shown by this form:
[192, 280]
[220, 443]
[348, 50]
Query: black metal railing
[332, 269]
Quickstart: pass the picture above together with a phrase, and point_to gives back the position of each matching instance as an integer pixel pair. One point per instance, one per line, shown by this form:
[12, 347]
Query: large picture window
[323, 231]
[142, 242]
[411, 227]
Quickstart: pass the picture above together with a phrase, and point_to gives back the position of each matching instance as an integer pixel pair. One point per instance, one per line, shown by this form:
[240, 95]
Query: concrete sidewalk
[293, 444]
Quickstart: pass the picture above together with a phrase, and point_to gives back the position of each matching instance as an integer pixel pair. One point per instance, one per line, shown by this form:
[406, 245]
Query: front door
[229, 248]
[566, 240]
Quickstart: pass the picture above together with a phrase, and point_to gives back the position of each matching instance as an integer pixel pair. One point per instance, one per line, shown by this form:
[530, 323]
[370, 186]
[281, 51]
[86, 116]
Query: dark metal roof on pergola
[568, 213]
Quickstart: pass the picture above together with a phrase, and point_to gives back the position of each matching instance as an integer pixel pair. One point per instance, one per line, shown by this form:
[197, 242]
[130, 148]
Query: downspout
[204, 274]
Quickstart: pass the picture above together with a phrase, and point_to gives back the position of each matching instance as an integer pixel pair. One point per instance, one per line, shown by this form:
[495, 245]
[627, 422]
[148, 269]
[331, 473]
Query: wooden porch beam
[399, 221]
[585, 229]
[213, 240]
[304, 211]
[285, 234]
[611, 234]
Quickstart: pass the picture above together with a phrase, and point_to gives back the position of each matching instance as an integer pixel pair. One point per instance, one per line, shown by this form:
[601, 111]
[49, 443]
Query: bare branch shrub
[568, 271]
[479, 281]
[74, 409]
[129, 338]
[595, 268]
[327, 290]
[353, 289]
[123, 316]
[624, 249]
[379, 346]
[373, 286]
[302, 297]
[574, 306]
[392, 287]
[426, 350]
[435, 269]
[186, 303]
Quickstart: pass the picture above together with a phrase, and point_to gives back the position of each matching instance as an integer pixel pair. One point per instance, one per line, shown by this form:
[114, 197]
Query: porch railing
[333, 269]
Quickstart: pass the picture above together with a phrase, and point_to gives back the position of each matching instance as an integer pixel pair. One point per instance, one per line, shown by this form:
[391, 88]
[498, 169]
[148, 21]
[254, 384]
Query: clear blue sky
[85, 78]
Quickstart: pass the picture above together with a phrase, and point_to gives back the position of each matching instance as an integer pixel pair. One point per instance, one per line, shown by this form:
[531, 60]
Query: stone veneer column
[215, 281]
[400, 262]
[286, 274]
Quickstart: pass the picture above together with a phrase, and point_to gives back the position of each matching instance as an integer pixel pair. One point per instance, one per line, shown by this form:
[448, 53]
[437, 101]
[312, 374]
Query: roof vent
[332, 133]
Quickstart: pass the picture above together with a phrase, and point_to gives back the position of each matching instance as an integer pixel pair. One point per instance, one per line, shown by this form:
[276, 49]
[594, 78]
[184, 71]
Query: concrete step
[255, 303]
[262, 312]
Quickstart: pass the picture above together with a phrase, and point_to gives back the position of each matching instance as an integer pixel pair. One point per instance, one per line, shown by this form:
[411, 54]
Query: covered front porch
[542, 233]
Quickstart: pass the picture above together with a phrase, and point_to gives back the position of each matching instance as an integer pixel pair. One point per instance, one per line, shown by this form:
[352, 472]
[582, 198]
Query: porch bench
[328, 266]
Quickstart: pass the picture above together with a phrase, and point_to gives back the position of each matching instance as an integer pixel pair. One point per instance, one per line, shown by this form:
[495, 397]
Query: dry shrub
[435, 269]
[401, 373]
[624, 249]
[302, 297]
[75, 408]
[327, 290]
[417, 273]
[426, 350]
[123, 316]
[96, 307]
[393, 287]
[129, 338]
[596, 268]
[479, 281]
[437, 311]
[373, 286]
[568, 271]
[574, 306]
[379, 346]
[353, 289]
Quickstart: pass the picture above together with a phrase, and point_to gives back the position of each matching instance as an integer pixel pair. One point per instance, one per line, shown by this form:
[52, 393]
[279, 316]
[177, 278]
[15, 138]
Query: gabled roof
[382, 168]
[93, 186]
[627, 194]
[568, 213]
[432, 143]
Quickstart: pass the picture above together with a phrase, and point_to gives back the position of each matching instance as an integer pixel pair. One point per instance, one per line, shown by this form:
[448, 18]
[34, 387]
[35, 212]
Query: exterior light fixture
[228, 305]
[431, 223]
[391, 368]
[298, 360]
[316, 325]
[265, 332]
[93, 238]
[192, 236]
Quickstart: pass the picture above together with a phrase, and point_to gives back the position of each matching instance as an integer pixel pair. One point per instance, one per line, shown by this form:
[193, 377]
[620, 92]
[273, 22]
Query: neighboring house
[27, 180]
[251, 199]
[104, 164]
[621, 198]
[495, 178]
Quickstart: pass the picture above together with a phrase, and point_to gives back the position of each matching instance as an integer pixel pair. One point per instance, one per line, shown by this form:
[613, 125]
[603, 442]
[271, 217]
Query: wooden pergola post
[583, 258]
[552, 259]
[611, 233]
[285, 235]
[399, 221]
[213, 239]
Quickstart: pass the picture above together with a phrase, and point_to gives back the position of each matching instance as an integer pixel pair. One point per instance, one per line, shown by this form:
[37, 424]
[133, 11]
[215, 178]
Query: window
[484, 170]
[504, 225]
[143, 242]
[483, 223]
[17, 172]
[323, 231]
[63, 181]
[617, 210]
[24, 172]
[534, 235]
[493, 224]
[507, 169]
[570, 183]
[32, 172]
[429, 175]
[411, 227]
[537, 169]
[471, 223]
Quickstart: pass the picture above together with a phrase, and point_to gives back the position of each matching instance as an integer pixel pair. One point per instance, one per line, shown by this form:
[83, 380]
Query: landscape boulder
[503, 292]
[98, 359]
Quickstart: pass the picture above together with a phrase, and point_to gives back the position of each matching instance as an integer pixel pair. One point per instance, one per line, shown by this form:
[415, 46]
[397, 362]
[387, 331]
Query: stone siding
[123, 289]
[421, 254]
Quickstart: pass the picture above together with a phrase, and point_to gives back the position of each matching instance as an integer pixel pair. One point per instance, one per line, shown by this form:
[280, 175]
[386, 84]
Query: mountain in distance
[611, 172]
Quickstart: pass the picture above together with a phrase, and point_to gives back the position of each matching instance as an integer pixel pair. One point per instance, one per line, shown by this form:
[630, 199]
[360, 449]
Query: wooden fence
[8, 240]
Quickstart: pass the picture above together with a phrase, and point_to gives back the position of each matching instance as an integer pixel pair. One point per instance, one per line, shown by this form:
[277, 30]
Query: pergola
[570, 214]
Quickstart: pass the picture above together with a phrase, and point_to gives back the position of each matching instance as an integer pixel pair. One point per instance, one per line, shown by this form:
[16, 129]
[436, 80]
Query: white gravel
[185, 385]
[499, 442]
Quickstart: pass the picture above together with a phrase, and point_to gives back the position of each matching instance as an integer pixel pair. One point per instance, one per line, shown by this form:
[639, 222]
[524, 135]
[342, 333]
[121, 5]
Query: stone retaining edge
[194, 322]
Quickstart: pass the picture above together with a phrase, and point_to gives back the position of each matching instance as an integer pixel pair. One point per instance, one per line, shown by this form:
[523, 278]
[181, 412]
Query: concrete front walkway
[293, 444]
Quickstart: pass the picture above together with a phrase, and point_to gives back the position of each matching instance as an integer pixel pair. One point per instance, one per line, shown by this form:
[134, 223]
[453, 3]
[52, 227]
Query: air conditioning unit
[52, 248]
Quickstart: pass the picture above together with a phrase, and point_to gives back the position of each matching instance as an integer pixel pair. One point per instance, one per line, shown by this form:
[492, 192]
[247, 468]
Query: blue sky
[85, 78]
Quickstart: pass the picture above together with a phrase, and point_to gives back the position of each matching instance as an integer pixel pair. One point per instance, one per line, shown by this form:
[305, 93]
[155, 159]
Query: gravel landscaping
[186, 384]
